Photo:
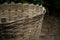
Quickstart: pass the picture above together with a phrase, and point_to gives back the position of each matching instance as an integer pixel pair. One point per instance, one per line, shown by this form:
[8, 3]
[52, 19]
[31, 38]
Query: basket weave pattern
[20, 21]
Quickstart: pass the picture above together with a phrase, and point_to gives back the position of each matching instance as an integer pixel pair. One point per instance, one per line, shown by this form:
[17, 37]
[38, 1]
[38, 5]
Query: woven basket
[20, 21]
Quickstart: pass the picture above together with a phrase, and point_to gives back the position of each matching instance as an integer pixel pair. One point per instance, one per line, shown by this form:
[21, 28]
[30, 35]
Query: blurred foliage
[55, 3]
[50, 5]
[23, 1]
[2, 1]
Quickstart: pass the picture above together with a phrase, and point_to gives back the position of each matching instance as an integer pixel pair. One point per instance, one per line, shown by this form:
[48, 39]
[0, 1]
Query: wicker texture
[20, 21]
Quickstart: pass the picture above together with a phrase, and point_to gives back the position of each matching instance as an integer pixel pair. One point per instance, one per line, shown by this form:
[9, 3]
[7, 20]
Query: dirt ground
[50, 28]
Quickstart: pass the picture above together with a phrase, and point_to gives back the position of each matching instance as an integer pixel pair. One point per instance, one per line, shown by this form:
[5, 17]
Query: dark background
[53, 7]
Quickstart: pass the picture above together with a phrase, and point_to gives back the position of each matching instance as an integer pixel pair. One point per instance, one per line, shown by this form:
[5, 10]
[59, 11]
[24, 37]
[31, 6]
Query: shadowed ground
[51, 28]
